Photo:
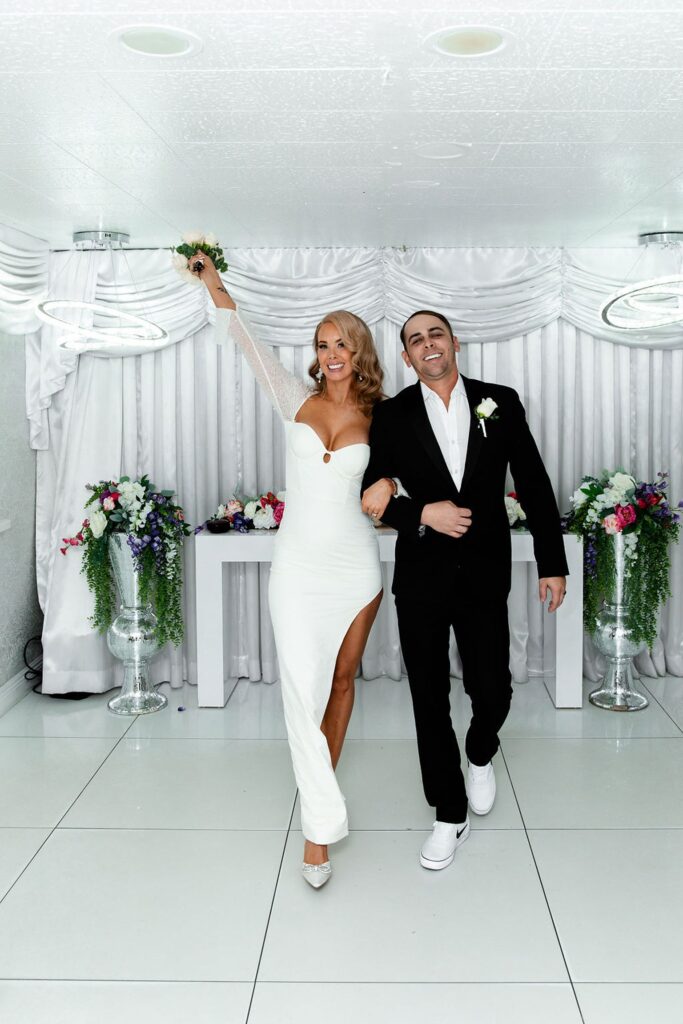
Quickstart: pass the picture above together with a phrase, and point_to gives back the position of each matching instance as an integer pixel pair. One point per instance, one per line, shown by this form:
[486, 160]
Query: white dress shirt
[451, 426]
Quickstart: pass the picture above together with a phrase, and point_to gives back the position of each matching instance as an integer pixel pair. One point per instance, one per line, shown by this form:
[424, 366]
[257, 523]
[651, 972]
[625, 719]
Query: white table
[562, 645]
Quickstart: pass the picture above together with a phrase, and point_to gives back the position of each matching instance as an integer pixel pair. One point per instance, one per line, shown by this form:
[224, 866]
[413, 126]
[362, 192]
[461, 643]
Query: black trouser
[483, 636]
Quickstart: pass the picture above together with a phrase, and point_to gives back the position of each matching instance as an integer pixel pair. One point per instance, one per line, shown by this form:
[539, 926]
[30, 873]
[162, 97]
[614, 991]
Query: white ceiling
[299, 123]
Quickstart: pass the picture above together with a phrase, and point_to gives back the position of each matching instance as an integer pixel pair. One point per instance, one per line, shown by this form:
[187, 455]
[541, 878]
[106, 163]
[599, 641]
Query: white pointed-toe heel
[316, 874]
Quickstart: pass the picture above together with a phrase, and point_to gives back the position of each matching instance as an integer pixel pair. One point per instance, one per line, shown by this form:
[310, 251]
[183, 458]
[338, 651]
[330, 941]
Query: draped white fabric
[23, 280]
[191, 416]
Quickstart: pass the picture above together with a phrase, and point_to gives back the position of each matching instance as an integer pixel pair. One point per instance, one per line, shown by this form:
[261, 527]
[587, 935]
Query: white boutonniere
[485, 411]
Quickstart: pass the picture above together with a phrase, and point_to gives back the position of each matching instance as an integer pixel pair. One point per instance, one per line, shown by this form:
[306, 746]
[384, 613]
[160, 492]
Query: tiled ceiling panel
[308, 122]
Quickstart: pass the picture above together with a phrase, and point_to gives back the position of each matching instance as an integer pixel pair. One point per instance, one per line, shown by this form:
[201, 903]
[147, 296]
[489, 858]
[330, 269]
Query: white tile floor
[149, 869]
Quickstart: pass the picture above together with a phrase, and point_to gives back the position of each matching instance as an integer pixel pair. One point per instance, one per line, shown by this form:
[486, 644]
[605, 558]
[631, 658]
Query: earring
[360, 376]
[319, 376]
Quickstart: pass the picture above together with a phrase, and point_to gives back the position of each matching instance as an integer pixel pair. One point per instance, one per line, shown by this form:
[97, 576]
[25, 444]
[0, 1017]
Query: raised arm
[285, 391]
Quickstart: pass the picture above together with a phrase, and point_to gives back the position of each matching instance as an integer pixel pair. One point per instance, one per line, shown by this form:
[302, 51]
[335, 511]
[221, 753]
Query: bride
[325, 581]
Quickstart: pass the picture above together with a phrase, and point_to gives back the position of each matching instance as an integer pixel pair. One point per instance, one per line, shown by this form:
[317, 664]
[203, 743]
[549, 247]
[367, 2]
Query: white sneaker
[481, 787]
[439, 850]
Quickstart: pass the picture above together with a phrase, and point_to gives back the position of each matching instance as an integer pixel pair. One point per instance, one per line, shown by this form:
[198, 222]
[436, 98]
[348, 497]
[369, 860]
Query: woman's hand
[203, 266]
[377, 497]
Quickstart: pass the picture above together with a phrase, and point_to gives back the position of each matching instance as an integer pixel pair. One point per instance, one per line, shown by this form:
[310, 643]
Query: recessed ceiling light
[443, 150]
[468, 41]
[417, 183]
[157, 40]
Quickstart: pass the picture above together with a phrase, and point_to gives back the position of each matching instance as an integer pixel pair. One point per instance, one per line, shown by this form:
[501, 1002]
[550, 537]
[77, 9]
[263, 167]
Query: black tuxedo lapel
[425, 434]
[476, 438]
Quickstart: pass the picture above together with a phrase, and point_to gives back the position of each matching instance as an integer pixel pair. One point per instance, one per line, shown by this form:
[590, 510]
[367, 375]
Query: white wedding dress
[325, 570]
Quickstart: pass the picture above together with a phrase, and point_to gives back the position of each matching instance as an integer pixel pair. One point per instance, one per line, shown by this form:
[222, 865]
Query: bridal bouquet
[155, 526]
[262, 513]
[616, 504]
[516, 514]
[191, 243]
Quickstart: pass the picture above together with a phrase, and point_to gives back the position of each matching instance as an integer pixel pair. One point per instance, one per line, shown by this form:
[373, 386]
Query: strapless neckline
[330, 451]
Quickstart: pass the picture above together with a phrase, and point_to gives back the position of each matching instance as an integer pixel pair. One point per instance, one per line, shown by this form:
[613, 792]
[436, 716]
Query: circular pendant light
[108, 330]
[649, 304]
[132, 337]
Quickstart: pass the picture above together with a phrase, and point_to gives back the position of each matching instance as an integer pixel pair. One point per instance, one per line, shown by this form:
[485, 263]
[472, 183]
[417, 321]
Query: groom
[450, 440]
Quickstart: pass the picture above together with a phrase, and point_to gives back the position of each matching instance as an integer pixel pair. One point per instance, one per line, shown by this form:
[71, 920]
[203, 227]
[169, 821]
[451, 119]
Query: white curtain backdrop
[191, 416]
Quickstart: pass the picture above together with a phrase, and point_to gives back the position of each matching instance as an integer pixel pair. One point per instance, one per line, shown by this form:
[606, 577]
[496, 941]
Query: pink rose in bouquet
[233, 506]
[278, 512]
[626, 514]
[612, 524]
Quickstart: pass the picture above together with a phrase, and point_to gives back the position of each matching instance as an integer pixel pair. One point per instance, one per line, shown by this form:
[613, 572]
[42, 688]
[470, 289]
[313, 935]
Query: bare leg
[340, 705]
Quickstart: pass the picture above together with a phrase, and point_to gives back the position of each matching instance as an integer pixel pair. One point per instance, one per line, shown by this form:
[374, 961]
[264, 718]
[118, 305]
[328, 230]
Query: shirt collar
[431, 396]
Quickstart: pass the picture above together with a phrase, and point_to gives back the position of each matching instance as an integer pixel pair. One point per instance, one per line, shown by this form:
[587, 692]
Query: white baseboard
[15, 689]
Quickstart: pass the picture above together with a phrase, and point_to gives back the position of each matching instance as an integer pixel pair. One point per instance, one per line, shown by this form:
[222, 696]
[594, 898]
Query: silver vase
[132, 636]
[613, 637]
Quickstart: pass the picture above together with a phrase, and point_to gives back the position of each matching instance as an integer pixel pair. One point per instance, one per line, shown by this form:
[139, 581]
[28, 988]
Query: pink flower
[278, 512]
[626, 514]
[63, 550]
[108, 504]
[612, 524]
[234, 506]
[654, 499]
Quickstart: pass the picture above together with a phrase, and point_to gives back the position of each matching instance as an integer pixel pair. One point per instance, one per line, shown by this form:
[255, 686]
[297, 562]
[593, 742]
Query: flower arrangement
[262, 513]
[191, 243]
[616, 504]
[155, 526]
[516, 514]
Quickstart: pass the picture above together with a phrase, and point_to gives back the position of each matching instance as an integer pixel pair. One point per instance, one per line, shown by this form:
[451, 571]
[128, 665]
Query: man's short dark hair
[425, 312]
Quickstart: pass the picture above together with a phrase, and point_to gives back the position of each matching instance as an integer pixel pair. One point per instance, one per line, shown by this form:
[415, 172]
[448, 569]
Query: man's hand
[445, 517]
[557, 585]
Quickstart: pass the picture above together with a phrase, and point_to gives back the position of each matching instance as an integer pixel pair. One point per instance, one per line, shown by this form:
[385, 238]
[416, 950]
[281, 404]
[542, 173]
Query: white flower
[264, 518]
[485, 408]
[193, 238]
[251, 508]
[210, 240]
[221, 512]
[578, 498]
[622, 482]
[131, 495]
[182, 266]
[514, 510]
[98, 523]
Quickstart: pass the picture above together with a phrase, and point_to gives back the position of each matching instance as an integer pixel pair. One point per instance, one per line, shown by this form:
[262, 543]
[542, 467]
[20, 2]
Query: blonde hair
[357, 338]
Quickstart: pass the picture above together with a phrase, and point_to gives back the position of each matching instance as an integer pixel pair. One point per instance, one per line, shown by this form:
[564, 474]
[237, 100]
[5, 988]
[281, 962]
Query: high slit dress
[325, 570]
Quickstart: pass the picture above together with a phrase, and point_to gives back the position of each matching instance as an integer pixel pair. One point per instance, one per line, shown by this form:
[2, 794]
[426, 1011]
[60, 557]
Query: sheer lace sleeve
[286, 392]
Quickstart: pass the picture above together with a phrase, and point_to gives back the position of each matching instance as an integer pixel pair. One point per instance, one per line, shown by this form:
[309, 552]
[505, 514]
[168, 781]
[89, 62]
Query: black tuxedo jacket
[403, 445]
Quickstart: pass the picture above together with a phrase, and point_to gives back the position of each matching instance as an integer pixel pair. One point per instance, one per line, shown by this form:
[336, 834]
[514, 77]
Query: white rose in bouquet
[578, 497]
[193, 238]
[514, 510]
[182, 265]
[131, 495]
[622, 482]
[264, 518]
[251, 508]
[98, 523]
